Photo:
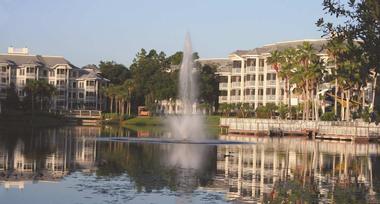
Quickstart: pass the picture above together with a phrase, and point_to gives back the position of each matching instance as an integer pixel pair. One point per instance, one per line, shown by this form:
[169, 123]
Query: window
[22, 72]
[249, 91]
[81, 95]
[44, 73]
[251, 62]
[261, 62]
[81, 85]
[261, 92]
[74, 95]
[236, 64]
[89, 93]
[90, 83]
[61, 71]
[261, 77]
[51, 73]
[271, 76]
[271, 91]
[61, 82]
[74, 85]
[3, 80]
[4, 69]
[30, 70]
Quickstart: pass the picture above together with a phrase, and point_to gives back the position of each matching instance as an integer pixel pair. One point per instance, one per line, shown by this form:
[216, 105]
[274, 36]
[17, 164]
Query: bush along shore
[29, 119]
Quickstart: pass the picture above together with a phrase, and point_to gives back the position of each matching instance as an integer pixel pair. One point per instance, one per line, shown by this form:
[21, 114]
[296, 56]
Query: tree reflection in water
[274, 170]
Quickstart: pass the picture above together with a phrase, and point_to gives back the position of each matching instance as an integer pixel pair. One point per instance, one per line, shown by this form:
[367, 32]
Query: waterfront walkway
[353, 131]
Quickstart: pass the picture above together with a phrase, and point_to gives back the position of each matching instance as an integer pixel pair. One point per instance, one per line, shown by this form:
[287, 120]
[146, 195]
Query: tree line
[153, 77]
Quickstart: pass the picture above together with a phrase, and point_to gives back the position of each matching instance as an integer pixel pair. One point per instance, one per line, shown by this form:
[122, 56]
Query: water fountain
[189, 124]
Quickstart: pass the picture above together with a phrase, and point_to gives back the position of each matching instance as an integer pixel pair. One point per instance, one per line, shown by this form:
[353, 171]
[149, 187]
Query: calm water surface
[69, 165]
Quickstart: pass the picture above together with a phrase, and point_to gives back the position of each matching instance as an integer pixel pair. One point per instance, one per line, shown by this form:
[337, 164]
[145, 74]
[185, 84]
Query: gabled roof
[37, 60]
[90, 73]
[316, 43]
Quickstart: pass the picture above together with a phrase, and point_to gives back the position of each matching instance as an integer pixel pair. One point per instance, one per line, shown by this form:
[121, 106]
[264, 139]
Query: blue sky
[87, 31]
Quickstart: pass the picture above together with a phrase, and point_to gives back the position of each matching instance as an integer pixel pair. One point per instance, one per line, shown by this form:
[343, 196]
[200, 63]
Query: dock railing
[351, 130]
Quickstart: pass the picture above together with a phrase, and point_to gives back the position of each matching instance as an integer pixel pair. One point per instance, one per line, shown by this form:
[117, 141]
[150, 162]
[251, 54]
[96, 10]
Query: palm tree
[335, 47]
[306, 54]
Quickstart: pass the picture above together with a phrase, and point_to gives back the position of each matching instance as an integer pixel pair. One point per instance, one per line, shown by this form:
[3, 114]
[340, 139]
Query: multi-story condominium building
[76, 88]
[246, 77]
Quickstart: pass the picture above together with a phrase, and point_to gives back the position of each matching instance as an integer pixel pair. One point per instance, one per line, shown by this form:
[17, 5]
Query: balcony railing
[236, 84]
[260, 97]
[223, 85]
[261, 83]
[271, 82]
[61, 75]
[249, 97]
[236, 70]
[222, 99]
[271, 97]
[251, 69]
[235, 98]
[261, 69]
[250, 83]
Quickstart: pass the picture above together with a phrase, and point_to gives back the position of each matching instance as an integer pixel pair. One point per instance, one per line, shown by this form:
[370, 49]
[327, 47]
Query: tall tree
[116, 73]
[357, 20]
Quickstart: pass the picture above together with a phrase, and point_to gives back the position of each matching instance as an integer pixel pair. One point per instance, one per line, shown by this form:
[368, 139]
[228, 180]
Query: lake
[72, 165]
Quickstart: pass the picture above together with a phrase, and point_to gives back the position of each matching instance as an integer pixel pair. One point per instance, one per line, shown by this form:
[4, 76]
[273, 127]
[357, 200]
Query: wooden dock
[84, 117]
[350, 131]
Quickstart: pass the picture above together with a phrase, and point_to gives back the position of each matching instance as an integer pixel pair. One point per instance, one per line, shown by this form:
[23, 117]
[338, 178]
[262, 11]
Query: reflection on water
[70, 161]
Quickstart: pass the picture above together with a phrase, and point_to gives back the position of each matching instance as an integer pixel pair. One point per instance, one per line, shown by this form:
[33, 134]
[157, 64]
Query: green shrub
[328, 116]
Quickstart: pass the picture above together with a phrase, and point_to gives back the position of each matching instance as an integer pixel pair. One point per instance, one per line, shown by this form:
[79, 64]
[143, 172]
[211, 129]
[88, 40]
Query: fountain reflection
[273, 169]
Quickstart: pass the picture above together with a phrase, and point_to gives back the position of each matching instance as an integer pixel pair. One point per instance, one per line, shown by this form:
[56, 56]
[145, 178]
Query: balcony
[251, 69]
[223, 85]
[222, 99]
[235, 98]
[260, 97]
[261, 69]
[261, 83]
[271, 97]
[249, 97]
[236, 84]
[250, 83]
[271, 82]
[61, 76]
[236, 70]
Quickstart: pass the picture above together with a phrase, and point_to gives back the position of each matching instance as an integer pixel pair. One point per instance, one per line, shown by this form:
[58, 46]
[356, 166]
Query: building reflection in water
[46, 155]
[257, 172]
[269, 170]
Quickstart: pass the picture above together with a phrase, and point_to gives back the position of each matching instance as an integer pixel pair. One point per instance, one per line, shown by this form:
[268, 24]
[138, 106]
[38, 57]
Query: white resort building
[246, 77]
[76, 88]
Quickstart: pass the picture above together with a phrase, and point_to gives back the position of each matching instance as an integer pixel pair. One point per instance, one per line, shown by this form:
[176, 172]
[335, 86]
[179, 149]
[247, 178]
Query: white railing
[261, 83]
[271, 97]
[236, 70]
[222, 99]
[236, 84]
[249, 97]
[271, 82]
[251, 69]
[250, 83]
[223, 85]
[235, 98]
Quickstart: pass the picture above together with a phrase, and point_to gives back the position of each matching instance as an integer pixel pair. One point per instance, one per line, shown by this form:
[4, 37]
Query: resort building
[246, 77]
[76, 88]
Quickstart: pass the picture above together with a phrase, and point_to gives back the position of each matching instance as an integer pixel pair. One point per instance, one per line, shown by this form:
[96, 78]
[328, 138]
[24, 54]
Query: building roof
[222, 64]
[316, 43]
[37, 60]
[90, 73]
